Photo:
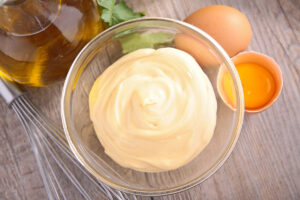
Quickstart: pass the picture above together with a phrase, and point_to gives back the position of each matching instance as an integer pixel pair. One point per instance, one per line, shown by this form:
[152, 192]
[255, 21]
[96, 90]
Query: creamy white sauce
[153, 110]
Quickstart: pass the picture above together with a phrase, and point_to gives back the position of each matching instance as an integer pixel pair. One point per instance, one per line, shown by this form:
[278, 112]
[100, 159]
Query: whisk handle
[9, 90]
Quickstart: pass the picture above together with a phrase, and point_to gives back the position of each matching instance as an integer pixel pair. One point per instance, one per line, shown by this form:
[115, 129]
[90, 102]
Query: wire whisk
[49, 144]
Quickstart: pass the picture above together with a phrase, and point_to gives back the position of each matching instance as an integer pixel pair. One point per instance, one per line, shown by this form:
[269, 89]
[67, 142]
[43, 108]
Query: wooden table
[265, 163]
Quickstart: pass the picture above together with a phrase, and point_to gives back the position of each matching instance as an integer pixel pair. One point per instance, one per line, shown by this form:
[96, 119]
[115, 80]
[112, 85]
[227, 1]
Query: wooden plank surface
[265, 163]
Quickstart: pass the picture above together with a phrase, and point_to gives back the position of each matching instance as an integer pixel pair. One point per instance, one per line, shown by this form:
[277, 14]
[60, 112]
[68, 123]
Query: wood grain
[265, 163]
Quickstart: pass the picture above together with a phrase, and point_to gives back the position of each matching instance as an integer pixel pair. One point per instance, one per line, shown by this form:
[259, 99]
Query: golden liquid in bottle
[40, 39]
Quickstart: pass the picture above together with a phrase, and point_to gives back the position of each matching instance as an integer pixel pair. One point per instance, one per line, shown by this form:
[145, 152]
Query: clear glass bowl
[99, 54]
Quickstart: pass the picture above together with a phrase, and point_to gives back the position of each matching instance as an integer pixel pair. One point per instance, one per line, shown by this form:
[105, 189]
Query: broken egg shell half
[254, 58]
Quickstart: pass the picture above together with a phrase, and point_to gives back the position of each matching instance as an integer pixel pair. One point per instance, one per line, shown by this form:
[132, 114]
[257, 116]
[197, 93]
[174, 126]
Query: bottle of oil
[39, 39]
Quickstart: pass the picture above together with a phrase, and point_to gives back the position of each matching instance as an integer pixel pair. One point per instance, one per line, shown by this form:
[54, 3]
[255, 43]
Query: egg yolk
[258, 85]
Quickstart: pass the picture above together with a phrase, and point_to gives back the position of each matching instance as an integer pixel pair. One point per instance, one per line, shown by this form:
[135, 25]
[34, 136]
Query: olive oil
[39, 39]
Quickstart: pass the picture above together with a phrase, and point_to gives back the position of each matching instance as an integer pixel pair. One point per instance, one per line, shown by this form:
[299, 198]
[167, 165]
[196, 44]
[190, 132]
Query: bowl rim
[65, 111]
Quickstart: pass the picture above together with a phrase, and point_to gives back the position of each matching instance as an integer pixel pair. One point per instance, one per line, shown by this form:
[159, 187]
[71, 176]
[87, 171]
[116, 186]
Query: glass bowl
[99, 54]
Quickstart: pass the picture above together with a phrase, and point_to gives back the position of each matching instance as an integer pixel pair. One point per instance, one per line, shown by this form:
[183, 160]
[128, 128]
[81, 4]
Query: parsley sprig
[114, 13]
[135, 41]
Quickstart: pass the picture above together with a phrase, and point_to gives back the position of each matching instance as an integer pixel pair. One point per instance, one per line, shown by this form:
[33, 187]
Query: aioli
[153, 110]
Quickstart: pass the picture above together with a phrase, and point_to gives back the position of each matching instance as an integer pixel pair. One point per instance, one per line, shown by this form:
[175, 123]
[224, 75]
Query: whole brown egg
[227, 25]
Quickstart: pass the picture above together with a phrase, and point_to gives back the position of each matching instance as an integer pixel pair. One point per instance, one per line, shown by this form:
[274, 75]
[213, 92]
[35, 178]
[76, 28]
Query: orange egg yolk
[258, 85]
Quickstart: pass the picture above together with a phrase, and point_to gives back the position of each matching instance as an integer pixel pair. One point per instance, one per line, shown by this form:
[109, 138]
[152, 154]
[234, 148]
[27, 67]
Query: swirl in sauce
[153, 110]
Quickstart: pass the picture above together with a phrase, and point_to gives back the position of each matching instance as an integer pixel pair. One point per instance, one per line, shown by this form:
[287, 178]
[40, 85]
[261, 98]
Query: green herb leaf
[107, 11]
[106, 16]
[124, 13]
[114, 13]
[137, 41]
[108, 4]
